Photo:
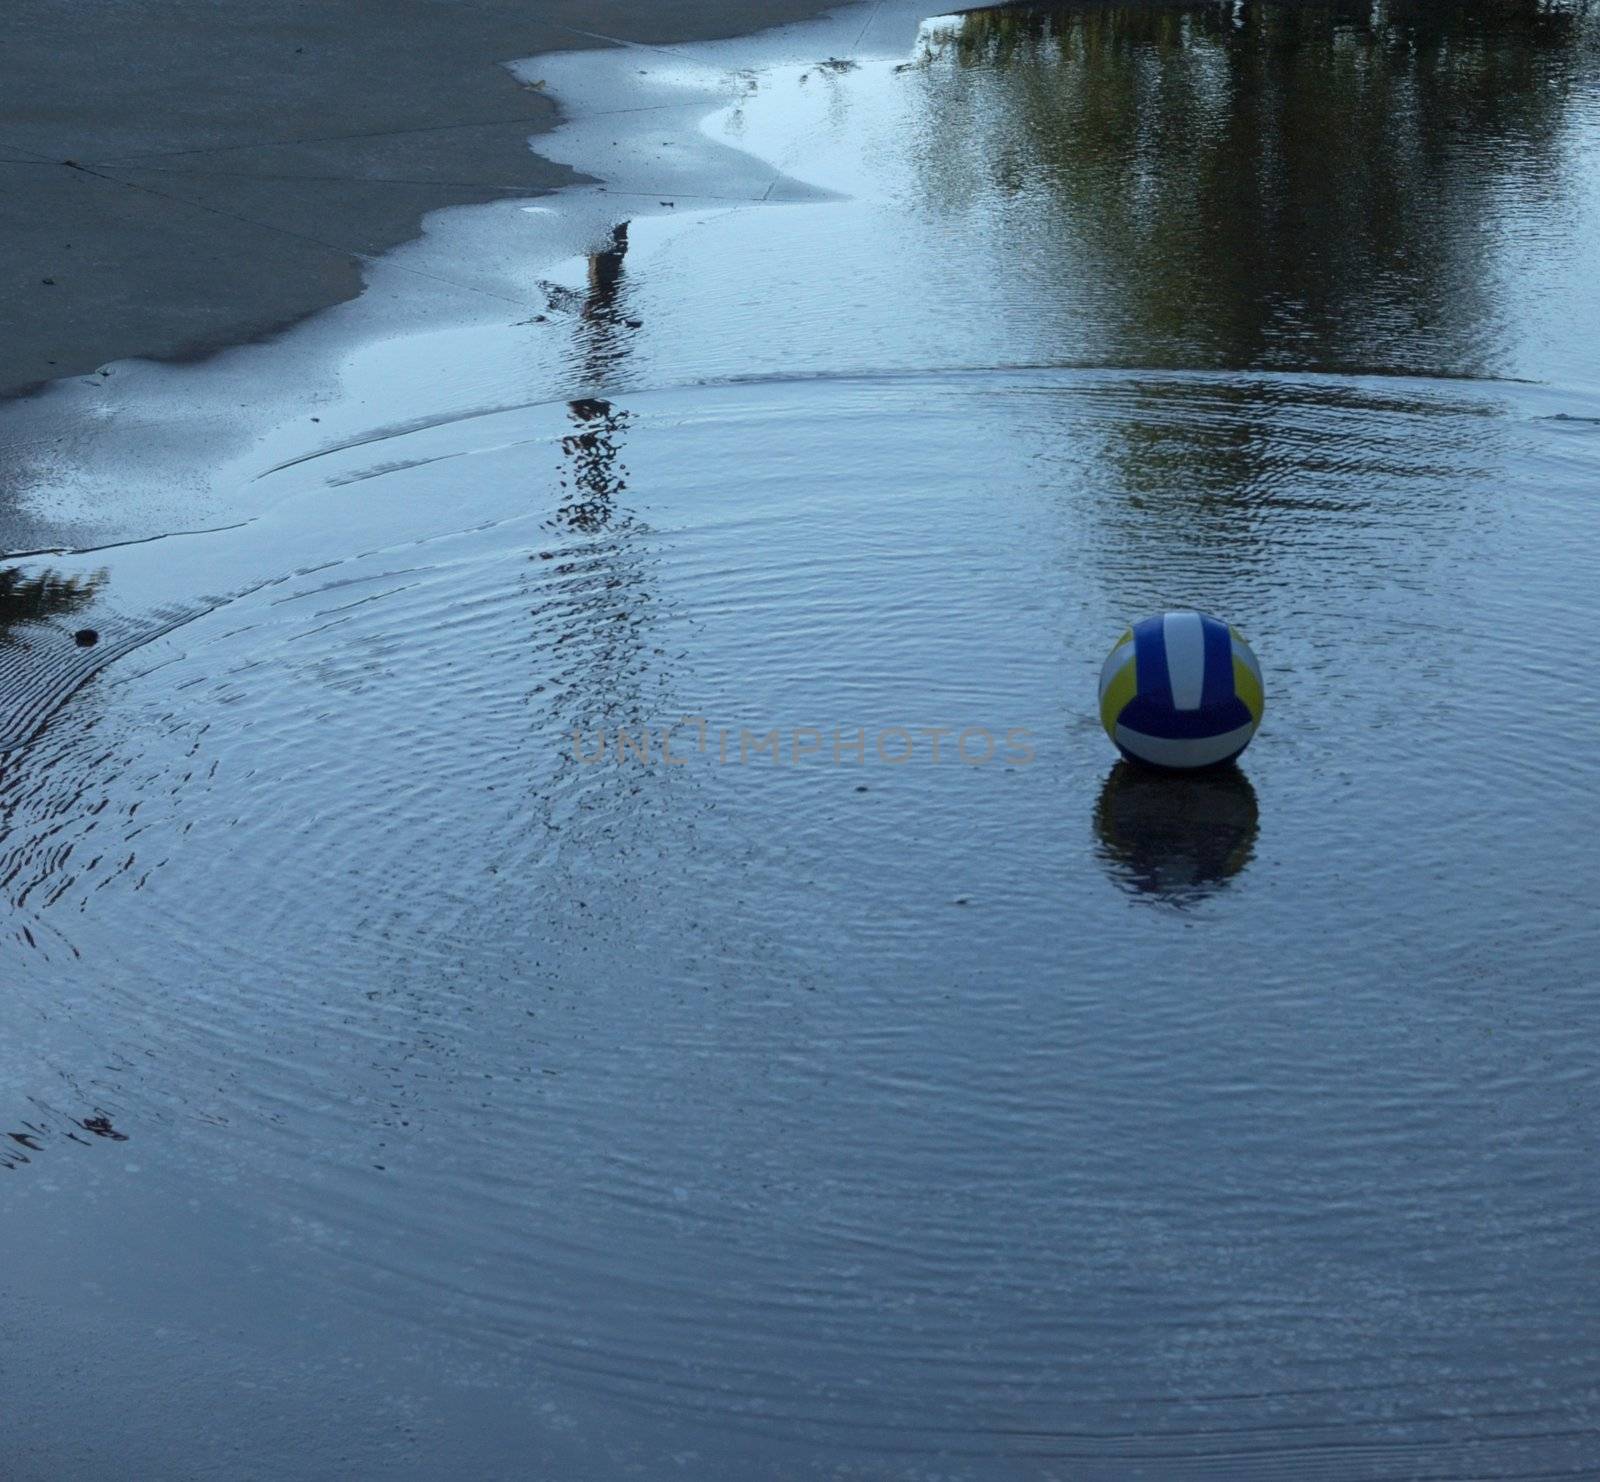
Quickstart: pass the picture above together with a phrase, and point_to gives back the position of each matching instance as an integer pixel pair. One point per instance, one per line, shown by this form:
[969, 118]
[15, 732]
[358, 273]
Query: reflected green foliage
[1268, 188]
[1262, 185]
[32, 596]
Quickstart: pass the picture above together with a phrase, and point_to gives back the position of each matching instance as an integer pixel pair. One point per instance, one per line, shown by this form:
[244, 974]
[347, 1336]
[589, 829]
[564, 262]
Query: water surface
[392, 1088]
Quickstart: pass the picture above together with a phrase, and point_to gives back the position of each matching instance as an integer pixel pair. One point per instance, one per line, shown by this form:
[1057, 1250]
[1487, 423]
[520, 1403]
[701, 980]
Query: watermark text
[795, 746]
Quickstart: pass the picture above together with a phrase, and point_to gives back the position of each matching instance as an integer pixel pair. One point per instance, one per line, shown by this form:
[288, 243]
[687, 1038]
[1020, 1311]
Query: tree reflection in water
[1266, 219]
[1260, 185]
[596, 475]
[36, 596]
[595, 601]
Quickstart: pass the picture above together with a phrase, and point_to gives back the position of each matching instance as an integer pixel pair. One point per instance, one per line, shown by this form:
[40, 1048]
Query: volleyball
[1182, 690]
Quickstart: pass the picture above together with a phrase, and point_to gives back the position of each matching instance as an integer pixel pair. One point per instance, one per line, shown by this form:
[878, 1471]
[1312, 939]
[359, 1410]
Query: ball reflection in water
[1175, 837]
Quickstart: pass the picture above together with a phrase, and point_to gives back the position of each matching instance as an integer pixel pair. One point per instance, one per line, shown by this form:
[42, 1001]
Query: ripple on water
[1000, 1119]
[712, 1086]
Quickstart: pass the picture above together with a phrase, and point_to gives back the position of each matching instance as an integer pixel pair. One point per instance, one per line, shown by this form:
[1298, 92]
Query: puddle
[855, 1070]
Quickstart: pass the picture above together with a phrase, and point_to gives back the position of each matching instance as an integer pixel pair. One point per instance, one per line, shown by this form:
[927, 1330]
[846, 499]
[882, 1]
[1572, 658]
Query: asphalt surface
[175, 178]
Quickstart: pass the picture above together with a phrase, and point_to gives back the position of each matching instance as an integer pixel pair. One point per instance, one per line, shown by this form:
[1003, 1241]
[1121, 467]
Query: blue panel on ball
[1219, 665]
[1150, 654]
[1154, 716]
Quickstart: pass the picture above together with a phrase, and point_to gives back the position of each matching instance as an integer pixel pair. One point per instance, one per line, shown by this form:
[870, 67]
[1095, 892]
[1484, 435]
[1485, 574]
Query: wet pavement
[579, 921]
[172, 185]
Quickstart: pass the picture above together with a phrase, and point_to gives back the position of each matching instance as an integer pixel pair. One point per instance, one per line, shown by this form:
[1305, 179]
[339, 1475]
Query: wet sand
[177, 179]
